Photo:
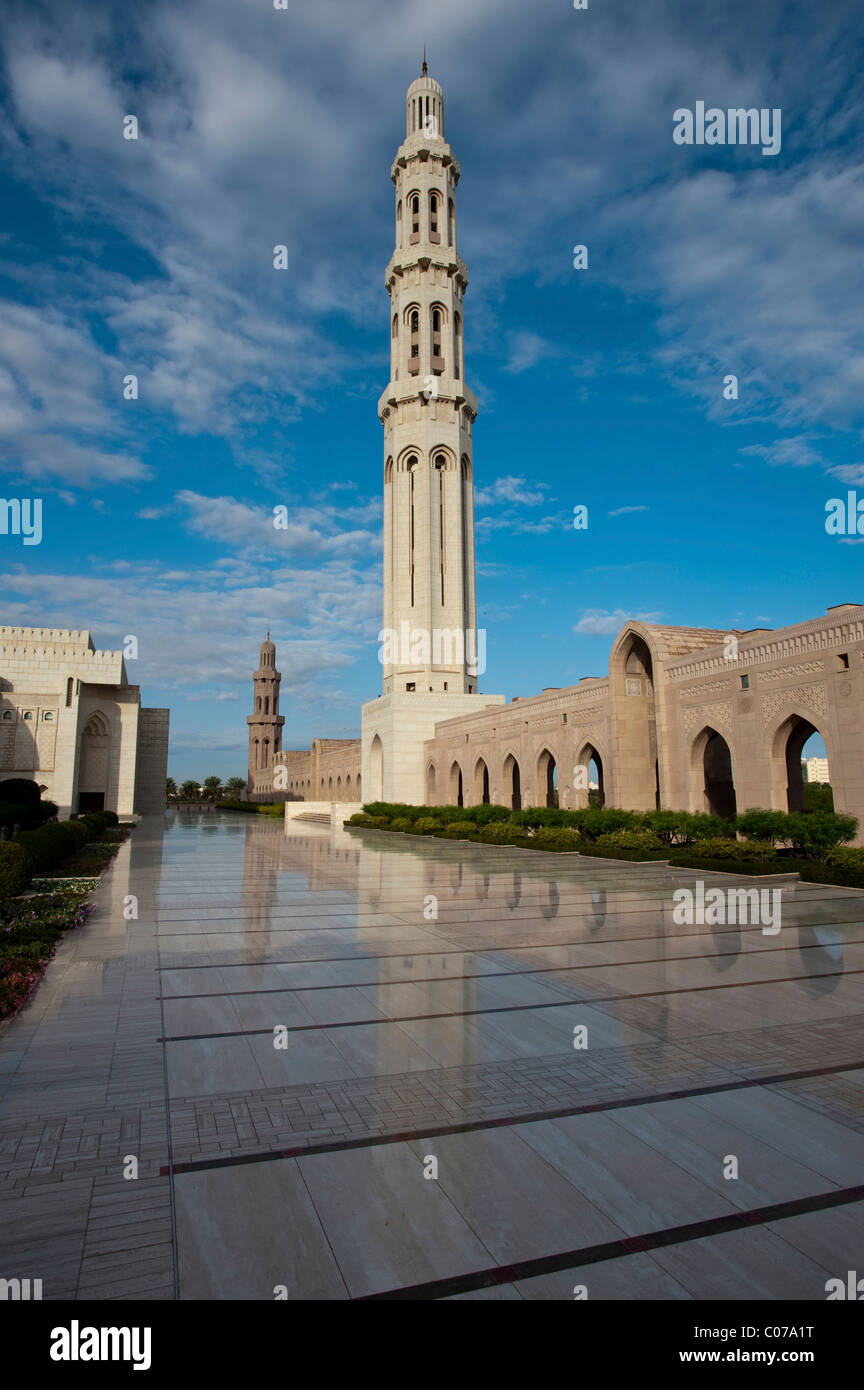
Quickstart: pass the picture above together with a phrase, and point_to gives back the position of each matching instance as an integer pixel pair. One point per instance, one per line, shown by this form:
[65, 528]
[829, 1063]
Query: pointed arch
[512, 782]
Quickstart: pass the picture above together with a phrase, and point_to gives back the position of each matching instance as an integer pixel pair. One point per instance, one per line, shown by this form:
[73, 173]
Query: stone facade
[70, 720]
[688, 718]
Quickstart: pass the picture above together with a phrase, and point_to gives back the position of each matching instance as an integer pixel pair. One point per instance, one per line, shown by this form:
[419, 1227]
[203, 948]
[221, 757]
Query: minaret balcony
[449, 389]
[404, 258]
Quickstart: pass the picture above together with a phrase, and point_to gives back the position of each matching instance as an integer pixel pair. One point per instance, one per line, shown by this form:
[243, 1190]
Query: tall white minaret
[431, 646]
[428, 412]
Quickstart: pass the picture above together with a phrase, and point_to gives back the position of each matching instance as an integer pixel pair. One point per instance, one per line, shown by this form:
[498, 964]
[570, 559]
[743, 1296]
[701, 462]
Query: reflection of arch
[376, 770]
[481, 783]
[430, 785]
[547, 779]
[550, 909]
[712, 758]
[587, 758]
[513, 782]
[787, 778]
[515, 897]
[456, 789]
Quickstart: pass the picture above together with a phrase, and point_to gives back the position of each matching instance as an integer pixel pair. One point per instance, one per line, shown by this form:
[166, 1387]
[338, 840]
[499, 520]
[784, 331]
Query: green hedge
[48, 845]
[813, 837]
[276, 809]
[15, 871]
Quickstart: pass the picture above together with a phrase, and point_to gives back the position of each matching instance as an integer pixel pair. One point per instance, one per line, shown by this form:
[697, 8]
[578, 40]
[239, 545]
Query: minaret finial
[425, 67]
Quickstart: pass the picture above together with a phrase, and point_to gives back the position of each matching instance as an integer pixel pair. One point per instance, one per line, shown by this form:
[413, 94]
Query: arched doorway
[481, 783]
[93, 777]
[589, 764]
[376, 770]
[513, 782]
[430, 785]
[456, 797]
[787, 759]
[718, 781]
[547, 779]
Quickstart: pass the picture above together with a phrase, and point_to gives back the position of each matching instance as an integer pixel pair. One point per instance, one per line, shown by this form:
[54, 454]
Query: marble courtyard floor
[410, 1036]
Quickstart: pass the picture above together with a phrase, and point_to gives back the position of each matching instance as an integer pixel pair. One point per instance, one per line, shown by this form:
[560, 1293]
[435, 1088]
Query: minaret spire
[425, 67]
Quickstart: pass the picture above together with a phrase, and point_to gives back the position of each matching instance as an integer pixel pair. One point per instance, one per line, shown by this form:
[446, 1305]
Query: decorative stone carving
[718, 713]
[803, 668]
[812, 696]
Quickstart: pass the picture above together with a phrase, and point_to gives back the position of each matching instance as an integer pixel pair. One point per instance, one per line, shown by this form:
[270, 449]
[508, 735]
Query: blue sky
[257, 388]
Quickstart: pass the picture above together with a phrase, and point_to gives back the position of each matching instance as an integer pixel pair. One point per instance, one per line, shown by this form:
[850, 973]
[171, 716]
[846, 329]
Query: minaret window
[437, 358]
[411, 466]
[434, 233]
[415, 217]
[451, 224]
[414, 321]
[457, 346]
[267, 704]
[440, 469]
[399, 223]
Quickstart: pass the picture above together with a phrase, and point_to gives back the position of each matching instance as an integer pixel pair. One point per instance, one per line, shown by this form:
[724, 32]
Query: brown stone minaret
[265, 723]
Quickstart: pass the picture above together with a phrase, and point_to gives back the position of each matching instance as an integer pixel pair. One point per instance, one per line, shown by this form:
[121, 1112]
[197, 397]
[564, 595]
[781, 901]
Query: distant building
[815, 769]
[71, 721]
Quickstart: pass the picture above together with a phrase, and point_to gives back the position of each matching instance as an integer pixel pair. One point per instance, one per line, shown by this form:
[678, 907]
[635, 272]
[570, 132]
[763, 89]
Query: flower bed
[30, 929]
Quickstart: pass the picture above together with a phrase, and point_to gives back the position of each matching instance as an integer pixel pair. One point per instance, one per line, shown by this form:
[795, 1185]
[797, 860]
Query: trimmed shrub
[22, 790]
[594, 821]
[15, 872]
[425, 825]
[558, 838]
[770, 826]
[488, 812]
[460, 828]
[815, 833]
[27, 814]
[846, 856]
[637, 841]
[48, 845]
[501, 831]
[683, 827]
[727, 849]
[110, 818]
[402, 823]
[535, 816]
[12, 813]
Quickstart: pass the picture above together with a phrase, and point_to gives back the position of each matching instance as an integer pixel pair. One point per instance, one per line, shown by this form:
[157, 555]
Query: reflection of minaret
[265, 723]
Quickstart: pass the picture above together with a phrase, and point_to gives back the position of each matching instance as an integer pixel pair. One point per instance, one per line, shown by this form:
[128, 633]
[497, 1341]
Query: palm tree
[213, 788]
[170, 788]
[235, 785]
[190, 791]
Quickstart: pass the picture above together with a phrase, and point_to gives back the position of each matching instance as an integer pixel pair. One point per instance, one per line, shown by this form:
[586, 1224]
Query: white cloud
[597, 622]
